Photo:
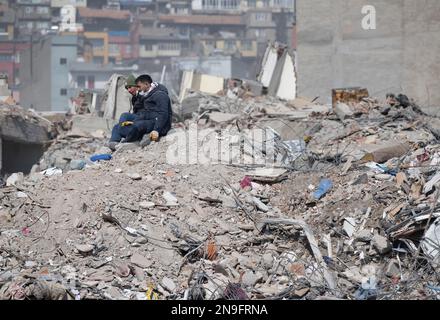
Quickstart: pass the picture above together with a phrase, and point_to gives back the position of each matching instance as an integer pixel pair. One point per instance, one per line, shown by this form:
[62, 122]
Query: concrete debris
[15, 178]
[250, 279]
[431, 243]
[348, 95]
[134, 176]
[364, 236]
[220, 117]
[168, 284]
[343, 111]
[85, 248]
[245, 227]
[381, 244]
[77, 164]
[146, 204]
[349, 226]
[392, 269]
[387, 152]
[268, 175]
[140, 261]
[170, 198]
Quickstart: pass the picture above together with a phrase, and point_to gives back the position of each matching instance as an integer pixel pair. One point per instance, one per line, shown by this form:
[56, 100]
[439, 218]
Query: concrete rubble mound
[343, 203]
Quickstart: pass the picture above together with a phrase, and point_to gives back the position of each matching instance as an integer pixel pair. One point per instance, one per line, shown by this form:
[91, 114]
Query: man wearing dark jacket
[151, 115]
[153, 110]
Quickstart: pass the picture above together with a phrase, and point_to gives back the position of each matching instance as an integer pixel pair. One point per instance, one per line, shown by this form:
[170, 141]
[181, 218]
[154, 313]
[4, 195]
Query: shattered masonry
[349, 209]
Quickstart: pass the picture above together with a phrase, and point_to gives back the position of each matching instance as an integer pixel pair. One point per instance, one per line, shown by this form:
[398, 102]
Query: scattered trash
[245, 228]
[52, 172]
[77, 164]
[101, 157]
[170, 199]
[134, 176]
[431, 243]
[245, 182]
[324, 186]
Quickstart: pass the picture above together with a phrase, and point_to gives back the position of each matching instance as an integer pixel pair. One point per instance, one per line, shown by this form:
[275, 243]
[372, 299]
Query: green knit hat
[130, 82]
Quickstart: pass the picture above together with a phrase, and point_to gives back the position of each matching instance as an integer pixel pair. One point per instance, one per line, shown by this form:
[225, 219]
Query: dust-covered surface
[140, 227]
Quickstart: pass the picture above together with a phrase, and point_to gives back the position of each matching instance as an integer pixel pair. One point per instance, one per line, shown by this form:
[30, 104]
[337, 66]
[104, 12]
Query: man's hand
[126, 123]
[133, 90]
[154, 135]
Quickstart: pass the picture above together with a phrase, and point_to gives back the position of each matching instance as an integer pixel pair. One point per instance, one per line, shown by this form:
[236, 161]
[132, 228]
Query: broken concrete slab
[14, 179]
[140, 261]
[381, 244]
[221, 118]
[88, 123]
[267, 174]
[349, 226]
[343, 111]
[387, 151]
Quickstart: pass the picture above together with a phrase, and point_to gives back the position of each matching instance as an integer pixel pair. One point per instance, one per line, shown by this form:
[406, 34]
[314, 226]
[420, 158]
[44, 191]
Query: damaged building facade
[22, 141]
[400, 55]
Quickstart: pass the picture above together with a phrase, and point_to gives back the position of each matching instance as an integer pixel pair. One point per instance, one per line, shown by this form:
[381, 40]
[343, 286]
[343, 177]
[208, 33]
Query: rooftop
[203, 19]
[78, 66]
[104, 13]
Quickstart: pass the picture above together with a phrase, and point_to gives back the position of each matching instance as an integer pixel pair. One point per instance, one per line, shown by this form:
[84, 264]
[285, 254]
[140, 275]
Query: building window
[128, 49]
[148, 47]
[114, 49]
[91, 82]
[252, 3]
[246, 45]
[229, 45]
[6, 57]
[266, 3]
[260, 33]
[169, 46]
[182, 11]
[42, 10]
[28, 10]
[63, 61]
[63, 92]
[81, 80]
[262, 16]
[42, 25]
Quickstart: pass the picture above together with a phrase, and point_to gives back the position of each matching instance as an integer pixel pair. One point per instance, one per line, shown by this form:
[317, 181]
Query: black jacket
[155, 106]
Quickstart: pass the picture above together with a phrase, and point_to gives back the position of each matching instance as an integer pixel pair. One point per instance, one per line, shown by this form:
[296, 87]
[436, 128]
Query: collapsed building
[24, 135]
[22, 140]
[320, 202]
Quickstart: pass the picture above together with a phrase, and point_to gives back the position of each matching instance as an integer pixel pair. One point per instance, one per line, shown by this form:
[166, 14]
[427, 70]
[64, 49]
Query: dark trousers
[132, 132]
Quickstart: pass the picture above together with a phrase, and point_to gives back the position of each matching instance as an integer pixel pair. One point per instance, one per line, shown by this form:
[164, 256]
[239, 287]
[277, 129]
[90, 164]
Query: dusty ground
[110, 231]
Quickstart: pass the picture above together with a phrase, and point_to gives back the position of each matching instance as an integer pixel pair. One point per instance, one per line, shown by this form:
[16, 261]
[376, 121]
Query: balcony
[62, 3]
[35, 16]
[99, 52]
[34, 2]
[155, 51]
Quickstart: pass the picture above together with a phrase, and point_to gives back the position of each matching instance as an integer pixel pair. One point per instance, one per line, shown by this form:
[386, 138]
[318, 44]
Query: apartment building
[32, 16]
[44, 72]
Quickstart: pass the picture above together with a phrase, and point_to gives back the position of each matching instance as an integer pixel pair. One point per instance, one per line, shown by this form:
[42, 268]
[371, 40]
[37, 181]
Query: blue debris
[324, 186]
[368, 290]
[99, 157]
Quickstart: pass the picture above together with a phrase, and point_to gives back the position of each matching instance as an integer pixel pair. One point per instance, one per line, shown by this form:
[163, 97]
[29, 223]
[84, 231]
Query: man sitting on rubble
[151, 117]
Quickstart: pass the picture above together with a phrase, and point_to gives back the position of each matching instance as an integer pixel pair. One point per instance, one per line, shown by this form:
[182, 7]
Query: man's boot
[112, 145]
[145, 140]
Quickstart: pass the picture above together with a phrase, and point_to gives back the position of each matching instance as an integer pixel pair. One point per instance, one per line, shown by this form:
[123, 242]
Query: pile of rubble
[348, 209]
